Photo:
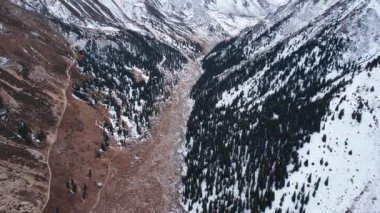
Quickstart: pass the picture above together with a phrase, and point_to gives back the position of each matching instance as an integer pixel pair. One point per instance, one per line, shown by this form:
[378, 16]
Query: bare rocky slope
[34, 61]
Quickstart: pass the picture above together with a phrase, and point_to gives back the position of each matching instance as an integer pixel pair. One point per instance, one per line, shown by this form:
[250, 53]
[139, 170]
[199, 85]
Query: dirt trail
[53, 138]
[143, 177]
[148, 173]
[100, 191]
[73, 156]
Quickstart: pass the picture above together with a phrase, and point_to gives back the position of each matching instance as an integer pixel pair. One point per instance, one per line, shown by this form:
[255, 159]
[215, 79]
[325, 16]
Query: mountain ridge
[275, 122]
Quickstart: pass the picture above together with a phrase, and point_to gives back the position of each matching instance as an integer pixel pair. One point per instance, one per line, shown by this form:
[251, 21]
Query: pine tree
[324, 138]
[341, 114]
[25, 132]
[294, 197]
[84, 193]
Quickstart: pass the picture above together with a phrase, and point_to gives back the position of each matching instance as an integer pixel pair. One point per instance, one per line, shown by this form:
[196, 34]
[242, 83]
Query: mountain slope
[113, 59]
[131, 56]
[34, 63]
[278, 122]
[124, 41]
[285, 117]
[185, 24]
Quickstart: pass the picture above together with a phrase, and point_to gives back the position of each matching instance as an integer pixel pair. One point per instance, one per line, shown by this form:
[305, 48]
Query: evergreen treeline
[107, 61]
[240, 154]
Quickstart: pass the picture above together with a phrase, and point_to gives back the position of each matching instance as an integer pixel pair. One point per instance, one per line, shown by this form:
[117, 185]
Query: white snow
[101, 28]
[77, 98]
[3, 61]
[353, 177]
[201, 20]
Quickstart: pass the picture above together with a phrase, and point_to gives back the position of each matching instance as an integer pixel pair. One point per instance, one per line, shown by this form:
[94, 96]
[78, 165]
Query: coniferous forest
[241, 151]
[110, 63]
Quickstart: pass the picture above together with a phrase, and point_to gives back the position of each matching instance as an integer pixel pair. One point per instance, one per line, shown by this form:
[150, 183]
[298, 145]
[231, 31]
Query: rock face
[286, 114]
[34, 62]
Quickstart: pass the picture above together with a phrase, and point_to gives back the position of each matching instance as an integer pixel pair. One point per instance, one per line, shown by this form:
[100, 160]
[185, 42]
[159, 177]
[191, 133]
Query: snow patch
[348, 159]
[3, 61]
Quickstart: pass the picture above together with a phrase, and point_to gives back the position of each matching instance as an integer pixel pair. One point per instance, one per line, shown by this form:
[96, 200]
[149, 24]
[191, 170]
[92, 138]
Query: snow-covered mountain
[173, 21]
[120, 39]
[286, 114]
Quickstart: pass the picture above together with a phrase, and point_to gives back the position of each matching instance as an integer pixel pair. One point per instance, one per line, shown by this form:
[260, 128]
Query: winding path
[100, 191]
[54, 137]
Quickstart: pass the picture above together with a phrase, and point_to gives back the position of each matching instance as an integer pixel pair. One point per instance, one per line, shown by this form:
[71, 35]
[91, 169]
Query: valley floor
[146, 176]
[143, 177]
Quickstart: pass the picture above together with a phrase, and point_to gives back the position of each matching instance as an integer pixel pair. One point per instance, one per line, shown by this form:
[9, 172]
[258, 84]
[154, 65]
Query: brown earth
[34, 60]
[73, 155]
[142, 177]
[146, 177]
[23, 178]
